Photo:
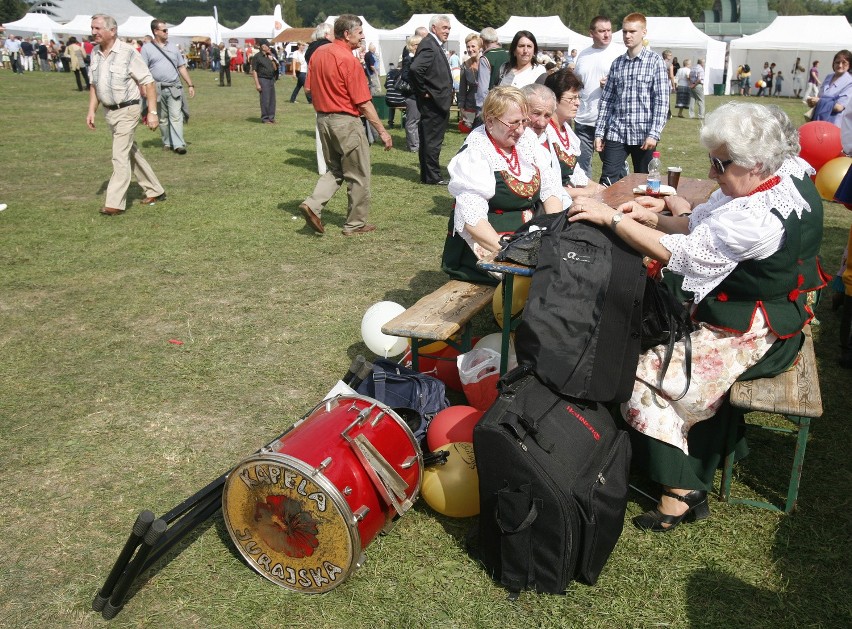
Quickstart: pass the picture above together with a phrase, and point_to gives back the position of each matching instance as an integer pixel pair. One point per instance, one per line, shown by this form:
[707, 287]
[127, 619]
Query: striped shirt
[115, 75]
[635, 100]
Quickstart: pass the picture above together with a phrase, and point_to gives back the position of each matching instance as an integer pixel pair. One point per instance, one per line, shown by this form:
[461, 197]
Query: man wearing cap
[168, 67]
[340, 95]
[117, 75]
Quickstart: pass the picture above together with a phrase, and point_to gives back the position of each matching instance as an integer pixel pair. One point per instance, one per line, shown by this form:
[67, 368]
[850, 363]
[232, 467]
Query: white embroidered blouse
[579, 178]
[725, 231]
[472, 180]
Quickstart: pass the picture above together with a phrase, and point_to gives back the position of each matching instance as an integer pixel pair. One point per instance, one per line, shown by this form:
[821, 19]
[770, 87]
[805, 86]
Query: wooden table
[696, 191]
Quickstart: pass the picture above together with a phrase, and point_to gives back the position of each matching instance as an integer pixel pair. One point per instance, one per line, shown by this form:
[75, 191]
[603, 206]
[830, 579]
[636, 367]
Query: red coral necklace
[766, 185]
[512, 160]
[565, 139]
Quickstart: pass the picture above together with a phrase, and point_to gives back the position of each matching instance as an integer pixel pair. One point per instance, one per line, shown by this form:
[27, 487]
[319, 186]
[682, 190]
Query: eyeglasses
[570, 99]
[719, 165]
[514, 126]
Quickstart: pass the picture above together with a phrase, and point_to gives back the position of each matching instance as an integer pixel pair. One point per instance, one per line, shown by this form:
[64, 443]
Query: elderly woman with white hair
[747, 259]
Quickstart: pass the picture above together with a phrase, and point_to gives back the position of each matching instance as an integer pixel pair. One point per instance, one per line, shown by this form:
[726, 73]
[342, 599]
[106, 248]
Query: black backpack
[553, 479]
[581, 324]
[416, 397]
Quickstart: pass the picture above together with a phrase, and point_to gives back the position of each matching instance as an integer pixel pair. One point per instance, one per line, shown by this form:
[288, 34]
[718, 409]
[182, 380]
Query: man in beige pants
[117, 74]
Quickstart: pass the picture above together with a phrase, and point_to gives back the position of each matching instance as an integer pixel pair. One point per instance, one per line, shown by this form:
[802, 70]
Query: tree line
[477, 14]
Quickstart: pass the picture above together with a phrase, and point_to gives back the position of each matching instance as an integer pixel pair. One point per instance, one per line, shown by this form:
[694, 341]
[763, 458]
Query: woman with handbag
[77, 63]
[747, 259]
[299, 69]
[468, 83]
[499, 178]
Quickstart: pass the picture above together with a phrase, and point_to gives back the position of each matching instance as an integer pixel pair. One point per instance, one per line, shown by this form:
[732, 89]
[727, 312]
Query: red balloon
[452, 425]
[820, 142]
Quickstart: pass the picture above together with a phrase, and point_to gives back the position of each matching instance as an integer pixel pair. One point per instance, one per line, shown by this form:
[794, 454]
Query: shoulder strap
[162, 52]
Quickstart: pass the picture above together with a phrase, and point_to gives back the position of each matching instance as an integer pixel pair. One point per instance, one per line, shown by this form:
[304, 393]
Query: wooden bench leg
[804, 424]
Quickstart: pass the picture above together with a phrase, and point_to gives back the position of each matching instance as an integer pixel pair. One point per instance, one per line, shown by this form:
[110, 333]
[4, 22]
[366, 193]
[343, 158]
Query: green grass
[101, 417]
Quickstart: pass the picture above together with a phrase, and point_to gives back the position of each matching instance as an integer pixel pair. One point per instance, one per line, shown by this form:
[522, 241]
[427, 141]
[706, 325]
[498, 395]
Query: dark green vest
[496, 57]
[778, 284]
[505, 213]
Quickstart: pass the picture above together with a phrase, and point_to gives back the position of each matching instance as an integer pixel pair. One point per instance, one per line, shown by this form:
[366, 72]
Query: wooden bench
[441, 316]
[793, 394]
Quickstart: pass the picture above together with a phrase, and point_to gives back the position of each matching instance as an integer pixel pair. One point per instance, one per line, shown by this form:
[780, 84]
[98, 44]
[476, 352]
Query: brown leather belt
[126, 103]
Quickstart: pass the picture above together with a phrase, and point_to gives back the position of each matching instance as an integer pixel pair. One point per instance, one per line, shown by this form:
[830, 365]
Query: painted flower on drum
[285, 527]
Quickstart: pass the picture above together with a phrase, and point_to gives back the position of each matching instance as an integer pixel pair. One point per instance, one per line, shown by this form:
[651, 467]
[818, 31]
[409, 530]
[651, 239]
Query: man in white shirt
[592, 66]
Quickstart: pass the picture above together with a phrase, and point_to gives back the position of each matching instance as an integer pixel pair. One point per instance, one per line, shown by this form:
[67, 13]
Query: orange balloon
[453, 488]
[830, 175]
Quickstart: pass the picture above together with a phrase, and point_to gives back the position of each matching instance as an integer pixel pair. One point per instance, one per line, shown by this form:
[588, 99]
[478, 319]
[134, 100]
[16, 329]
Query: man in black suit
[432, 81]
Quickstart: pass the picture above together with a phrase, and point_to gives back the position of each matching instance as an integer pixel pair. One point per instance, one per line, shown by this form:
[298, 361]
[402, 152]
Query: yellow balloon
[453, 488]
[830, 175]
[520, 293]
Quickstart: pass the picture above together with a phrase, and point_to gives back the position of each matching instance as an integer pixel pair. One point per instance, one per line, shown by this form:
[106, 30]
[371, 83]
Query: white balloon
[371, 329]
[494, 342]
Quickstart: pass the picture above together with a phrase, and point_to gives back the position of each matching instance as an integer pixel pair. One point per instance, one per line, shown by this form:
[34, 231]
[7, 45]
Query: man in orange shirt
[341, 95]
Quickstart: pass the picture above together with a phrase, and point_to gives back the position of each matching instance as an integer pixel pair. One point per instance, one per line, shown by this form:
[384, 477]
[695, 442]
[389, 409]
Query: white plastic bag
[479, 371]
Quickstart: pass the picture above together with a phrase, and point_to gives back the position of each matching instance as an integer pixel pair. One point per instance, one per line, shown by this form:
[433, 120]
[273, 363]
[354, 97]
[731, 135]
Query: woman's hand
[640, 213]
[812, 101]
[587, 209]
[655, 204]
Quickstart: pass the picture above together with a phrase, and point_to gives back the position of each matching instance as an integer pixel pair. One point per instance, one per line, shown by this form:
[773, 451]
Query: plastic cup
[674, 176]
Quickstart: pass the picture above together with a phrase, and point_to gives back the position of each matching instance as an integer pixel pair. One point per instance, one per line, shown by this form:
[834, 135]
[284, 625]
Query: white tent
[135, 26]
[550, 33]
[259, 26]
[203, 26]
[810, 37]
[680, 35]
[34, 23]
[372, 35]
[80, 25]
[393, 41]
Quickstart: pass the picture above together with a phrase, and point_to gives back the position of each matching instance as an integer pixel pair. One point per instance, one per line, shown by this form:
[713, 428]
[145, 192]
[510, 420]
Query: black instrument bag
[553, 478]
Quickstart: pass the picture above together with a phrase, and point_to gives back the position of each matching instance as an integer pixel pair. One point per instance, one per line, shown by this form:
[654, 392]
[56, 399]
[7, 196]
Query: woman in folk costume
[747, 258]
[499, 178]
[564, 142]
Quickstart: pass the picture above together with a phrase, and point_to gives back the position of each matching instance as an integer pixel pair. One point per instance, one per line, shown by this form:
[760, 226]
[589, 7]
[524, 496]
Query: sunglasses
[718, 165]
[515, 125]
[163, 30]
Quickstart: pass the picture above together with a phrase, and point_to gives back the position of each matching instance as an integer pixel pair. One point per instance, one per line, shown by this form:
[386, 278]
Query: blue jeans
[614, 156]
[586, 133]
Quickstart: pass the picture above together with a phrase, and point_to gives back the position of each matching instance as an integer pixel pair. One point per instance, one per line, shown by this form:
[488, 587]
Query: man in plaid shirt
[634, 105]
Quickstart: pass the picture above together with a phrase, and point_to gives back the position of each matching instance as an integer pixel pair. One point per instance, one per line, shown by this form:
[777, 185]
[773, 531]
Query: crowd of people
[746, 259]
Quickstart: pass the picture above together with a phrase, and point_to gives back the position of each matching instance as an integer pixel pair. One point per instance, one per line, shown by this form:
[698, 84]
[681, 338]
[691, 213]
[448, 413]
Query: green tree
[11, 10]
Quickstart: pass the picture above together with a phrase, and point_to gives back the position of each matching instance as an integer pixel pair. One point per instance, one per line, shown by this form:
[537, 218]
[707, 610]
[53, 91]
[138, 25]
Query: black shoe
[659, 522]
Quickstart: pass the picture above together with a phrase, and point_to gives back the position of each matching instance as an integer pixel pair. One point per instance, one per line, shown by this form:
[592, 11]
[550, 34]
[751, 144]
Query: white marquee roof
[260, 26]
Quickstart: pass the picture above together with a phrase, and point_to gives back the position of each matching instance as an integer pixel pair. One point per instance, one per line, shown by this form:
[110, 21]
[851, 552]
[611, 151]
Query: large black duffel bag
[553, 478]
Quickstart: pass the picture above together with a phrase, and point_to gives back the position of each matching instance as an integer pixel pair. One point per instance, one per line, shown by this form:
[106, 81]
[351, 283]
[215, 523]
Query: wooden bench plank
[795, 392]
[443, 313]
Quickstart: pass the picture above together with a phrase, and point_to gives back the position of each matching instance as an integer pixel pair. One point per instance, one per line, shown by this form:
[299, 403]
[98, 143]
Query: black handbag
[404, 87]
[665, 321]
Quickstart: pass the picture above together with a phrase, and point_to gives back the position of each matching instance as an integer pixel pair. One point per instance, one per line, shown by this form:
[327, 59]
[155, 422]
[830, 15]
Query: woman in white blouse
[747, 259]
[523, 67]
[500, 177]
[564, 143]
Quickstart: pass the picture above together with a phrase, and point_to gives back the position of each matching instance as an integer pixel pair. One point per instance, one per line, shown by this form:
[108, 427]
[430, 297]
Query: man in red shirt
[341, 95]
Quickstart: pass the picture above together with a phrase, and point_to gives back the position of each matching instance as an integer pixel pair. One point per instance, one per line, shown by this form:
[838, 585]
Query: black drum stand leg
[116, 600]
[140, 527]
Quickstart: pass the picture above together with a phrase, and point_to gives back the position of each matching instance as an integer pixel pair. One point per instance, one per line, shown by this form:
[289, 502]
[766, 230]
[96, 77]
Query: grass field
[101, 416]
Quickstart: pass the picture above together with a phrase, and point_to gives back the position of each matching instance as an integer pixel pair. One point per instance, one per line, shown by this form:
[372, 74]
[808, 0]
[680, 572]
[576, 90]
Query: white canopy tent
[372, 35]
[135, 26]
[203, 26]
[34, 24]
[260, 26]
[810, 37]
[550, 33]
[393, 41]
[681, 36]
[80, 25]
